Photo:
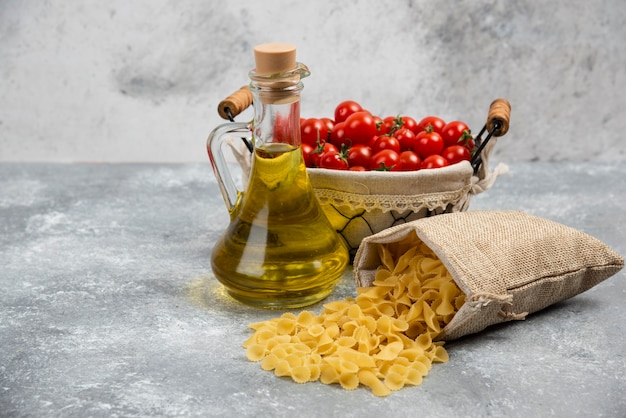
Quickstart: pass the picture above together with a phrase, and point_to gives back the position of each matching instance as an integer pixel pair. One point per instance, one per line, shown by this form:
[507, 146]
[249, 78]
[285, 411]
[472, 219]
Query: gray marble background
[140, 81]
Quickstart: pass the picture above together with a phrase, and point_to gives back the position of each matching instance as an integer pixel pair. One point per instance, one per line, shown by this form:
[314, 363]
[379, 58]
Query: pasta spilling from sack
[383, 339]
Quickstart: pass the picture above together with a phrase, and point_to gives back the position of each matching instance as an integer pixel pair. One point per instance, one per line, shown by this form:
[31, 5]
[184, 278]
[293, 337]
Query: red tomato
[333, 160]
[345, 109]
[456, 153]
[410, 161]
[338, 135]
[360, 127]
[410, 124]
[434, 161]
[385, 160]
[435, 122]
[378, 121]
[470, 144]
[455, 132]
[330, 124]
[380, 143]
[408, 140]
[313, 130]
[307, 154]
[428, 143]
[357, 168]
[317, 153]
[359, 155]
[386, 126]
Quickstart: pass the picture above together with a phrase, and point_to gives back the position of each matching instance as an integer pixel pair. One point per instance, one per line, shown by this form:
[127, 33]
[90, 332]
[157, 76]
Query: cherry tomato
[345, 109]
[435, 122]
[380, 143]
[317, 153]
[387, 124]
[410, 124]
[360, 127]
[378, 121]
[338, 135]
[385, 160]
[307, 151]
[357, 168]
[470, 144]
[330, 124]
[359, 155]
[456, 153]
[455, 132]
[333, 160]
[428, 143]
[434, 161]
[313, 130]
[408, 139]
[410, 161]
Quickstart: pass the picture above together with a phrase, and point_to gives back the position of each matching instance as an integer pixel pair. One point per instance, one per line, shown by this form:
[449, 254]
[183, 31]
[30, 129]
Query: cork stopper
[274, 58]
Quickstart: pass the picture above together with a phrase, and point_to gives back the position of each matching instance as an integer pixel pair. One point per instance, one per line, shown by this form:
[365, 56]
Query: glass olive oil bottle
[279, 250]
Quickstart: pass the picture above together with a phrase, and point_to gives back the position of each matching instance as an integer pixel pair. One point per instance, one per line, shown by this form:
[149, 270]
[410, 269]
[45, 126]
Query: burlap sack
[508, 263]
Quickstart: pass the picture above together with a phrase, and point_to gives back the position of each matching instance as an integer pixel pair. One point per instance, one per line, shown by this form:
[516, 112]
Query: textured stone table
[108, 307]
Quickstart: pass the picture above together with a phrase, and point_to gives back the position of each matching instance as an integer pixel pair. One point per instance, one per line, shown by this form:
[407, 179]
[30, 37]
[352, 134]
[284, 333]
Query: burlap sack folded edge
[572, 263]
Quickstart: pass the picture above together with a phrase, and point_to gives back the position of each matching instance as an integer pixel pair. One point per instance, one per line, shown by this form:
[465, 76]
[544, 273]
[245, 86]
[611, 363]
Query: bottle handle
[218, 138]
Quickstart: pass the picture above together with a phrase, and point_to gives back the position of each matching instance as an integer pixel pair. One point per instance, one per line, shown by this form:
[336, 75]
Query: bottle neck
[276, 102]
[276, 121]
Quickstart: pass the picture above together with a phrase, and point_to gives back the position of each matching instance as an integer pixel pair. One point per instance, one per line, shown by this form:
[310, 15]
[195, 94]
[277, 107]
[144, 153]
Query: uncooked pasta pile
[382, 339]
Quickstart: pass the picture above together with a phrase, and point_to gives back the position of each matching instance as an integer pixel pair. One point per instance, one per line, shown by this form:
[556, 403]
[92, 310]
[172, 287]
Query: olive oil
[279, 250]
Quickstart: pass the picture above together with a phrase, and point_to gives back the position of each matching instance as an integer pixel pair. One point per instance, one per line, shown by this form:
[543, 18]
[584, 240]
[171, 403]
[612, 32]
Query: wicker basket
[359, 204]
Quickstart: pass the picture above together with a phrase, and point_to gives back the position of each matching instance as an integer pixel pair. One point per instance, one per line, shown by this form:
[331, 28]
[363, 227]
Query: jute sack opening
[508, 263]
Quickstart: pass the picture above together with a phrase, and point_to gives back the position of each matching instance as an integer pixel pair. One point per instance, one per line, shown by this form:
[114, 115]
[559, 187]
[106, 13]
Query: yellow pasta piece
[315, 371]
[362, 360]
[414, 377]
[286, 326]
[459, 301]
[301, 374]
[282, 368]
[396, 377]
[328, 374]
[316, 330]
[346, 341]
[386, 257]
[411, 353]
[347, 366]
[255, 352]
[404, 260]
[414, 289]
[369, 379]
[349, 381]
[440, 354]
[269, 362]
[448, 292]
[294, 360]
[430, 318]
[374, 293]
[389, 351]
[336, 306]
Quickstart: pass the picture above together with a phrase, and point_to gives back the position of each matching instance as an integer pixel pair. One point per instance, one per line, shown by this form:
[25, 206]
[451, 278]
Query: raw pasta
[382, 339]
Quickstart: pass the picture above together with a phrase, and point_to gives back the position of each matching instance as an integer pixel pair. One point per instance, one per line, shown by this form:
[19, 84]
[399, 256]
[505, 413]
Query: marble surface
[140, 81]
[108, 306]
